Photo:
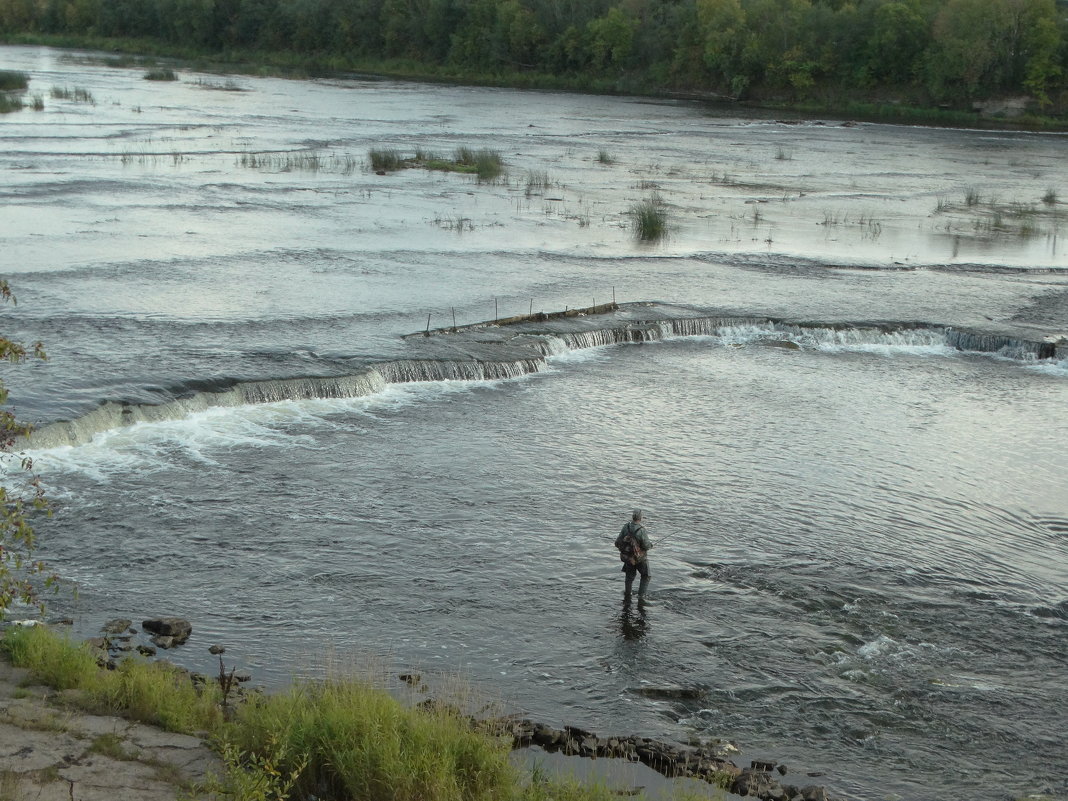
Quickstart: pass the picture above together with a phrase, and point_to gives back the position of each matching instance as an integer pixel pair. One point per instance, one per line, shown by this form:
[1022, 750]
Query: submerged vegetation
[77, 94]
[336, 739]
[13, 81]
[161, 74]
[889, 58]
[486, 164]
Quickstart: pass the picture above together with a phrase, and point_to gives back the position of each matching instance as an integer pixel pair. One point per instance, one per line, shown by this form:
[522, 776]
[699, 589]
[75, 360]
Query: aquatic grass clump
[604, 157]
[13, 80]
[648, 218]
[486, 164]
[537, 181]
[161, 74]
[9, 103]
[971, 196]
[1050, 198]
[77, 94]
[308, 161]
[386, 159]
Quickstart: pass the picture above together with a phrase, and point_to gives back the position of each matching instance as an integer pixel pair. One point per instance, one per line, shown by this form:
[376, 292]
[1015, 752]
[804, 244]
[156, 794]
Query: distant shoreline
[141, 53]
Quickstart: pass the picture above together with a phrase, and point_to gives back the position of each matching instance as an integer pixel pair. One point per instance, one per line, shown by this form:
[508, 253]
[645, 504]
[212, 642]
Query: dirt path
[51, 753]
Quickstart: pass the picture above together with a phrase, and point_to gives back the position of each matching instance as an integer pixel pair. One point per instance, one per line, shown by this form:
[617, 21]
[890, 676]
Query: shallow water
[864, 569]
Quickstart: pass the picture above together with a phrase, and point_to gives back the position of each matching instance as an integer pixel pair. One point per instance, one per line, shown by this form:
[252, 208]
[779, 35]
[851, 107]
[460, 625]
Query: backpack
[632, 552]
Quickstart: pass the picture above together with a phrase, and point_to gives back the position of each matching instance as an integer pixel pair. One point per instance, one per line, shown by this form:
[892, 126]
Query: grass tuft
[648, 218]
[77, 94]
[1050, 198]
[13, 81]
[971, 196]
[604, 157]
[161, 74]
[386, 159]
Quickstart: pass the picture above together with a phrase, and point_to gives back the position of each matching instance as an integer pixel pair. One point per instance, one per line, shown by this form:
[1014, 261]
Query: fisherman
[633, 544]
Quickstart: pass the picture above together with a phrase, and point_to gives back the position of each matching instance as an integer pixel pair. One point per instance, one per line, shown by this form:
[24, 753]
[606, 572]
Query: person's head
[636, 515]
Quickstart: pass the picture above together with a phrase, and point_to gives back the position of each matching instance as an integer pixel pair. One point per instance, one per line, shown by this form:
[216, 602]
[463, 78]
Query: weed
[386, 159]
[942, 205]
[161, 74]
[10, 786]
[297, 162]
[648, 218]
[971, 196]
[13, 81]
[9, 104]
[782, 154]
[488, 164]
[1050, 198]
[457, 224]
[230, 85]
[77, 94]
[604, 157]
[537, 181]
[37, 103]
[110, 745]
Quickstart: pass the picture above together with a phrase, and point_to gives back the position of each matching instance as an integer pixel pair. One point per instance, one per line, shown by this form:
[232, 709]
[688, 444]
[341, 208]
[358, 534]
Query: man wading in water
[633, 544]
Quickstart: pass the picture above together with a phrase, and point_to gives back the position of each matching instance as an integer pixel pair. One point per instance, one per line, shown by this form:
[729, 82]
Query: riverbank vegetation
[878, 57]
[487, 165]
[336, 739]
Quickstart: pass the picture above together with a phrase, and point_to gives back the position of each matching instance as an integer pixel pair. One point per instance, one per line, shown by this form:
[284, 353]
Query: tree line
[931, 51]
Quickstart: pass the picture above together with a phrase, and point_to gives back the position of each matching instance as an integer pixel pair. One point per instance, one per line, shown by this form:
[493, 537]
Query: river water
[864, 559]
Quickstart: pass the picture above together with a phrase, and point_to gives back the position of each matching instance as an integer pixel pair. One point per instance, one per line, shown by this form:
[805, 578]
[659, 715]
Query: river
[834, 388]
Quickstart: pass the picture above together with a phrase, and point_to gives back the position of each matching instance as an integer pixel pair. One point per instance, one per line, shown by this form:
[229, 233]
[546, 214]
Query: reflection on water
[634, 620]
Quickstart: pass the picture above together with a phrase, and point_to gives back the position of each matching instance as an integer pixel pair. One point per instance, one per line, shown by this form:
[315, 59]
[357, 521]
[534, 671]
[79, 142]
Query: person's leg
[643, 568]
[630, 570]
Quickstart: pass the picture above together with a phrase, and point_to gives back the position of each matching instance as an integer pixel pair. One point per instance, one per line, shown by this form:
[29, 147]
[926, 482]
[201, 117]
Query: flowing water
[835, 389]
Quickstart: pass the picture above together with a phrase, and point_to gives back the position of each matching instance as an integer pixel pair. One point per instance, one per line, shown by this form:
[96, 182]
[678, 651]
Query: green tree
[20, 494]
[611, 38]
[722, 26]
[898, 39]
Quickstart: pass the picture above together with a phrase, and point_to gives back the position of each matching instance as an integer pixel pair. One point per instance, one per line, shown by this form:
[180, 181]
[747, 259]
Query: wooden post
[613, 295]
[454, 317]
[428, 323]
[529, 313]
[495, 315]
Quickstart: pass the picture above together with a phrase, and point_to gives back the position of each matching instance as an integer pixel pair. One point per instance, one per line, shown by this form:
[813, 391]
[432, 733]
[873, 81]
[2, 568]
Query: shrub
[161, 74]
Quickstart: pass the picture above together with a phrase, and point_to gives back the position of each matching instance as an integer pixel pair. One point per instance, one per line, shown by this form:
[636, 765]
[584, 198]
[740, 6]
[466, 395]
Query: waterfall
[539, 345]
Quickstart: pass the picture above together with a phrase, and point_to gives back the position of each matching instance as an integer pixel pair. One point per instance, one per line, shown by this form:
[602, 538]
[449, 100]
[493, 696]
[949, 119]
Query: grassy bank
[337, 739]
[128, 52]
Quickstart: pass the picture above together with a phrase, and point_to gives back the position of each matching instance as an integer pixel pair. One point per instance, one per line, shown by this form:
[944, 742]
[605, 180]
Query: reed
[77, 94]
[1050, 198]
[9, 103]
[13, 80]
[161, 74]
[648, 218]
[971, 196]
[604, 157]
[386, 159]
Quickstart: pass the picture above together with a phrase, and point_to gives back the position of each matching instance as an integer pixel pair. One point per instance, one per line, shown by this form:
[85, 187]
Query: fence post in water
[531, 307]
[495, 315]
[613, 295]
[454, 317]
[428, 324]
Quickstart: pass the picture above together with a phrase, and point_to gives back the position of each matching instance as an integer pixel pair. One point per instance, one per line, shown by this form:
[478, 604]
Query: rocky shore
[42, 766]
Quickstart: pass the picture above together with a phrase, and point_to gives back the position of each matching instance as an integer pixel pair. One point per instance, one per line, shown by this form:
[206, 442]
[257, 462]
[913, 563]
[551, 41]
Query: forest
[948, 53]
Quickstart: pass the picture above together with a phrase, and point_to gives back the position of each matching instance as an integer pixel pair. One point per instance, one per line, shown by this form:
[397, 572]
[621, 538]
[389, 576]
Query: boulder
[116, 626]
[215, 650]
[177, 628]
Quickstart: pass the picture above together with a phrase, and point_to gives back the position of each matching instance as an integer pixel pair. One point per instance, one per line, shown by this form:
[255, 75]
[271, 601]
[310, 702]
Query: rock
[116, 626]
[781, 769]
[216, 650]
[814, 792]
[243, 675]
[97, 642]
[146, 650]
[176, 628]
[762, 765]
[164, 641]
